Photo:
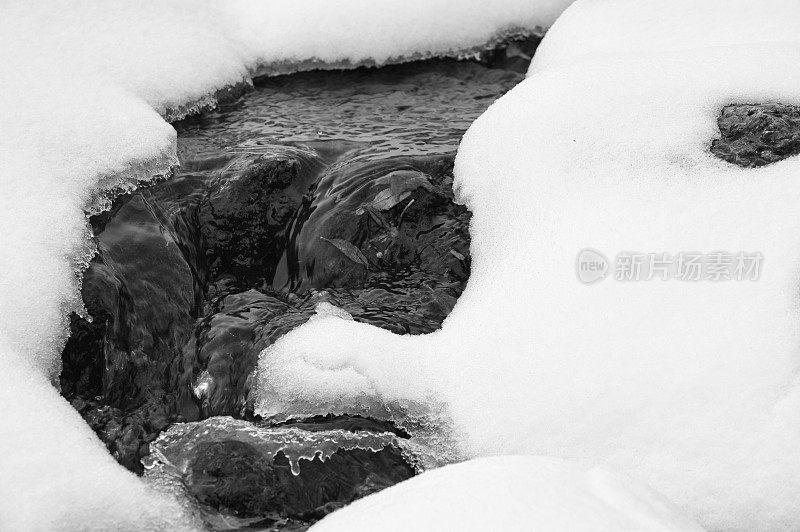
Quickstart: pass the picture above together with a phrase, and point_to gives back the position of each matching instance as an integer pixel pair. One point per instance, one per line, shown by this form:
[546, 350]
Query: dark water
[318, 187]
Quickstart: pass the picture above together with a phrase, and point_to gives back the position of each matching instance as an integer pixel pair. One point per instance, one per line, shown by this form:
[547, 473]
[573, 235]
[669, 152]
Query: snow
[628, 30]
[84, 88]
[691, 387]
[56, 473]
[511, 493]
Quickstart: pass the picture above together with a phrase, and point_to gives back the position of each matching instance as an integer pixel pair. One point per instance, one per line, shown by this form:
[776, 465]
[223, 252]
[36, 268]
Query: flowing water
[321, 188]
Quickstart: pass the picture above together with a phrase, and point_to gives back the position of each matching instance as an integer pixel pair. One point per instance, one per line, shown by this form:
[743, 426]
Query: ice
[232, 465]
[304, 375]
[691, 387]
[84, 89]
[512, 493]
[177, 446]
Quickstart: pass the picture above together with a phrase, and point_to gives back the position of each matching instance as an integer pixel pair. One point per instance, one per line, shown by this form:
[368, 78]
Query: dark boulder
[248, 210]
[232, 475]
[753, 135]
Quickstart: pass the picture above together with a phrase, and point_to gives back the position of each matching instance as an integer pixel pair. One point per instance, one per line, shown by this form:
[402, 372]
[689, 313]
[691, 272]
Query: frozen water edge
[172, 113]
[172, 448]
[471, 52]
[109, 187]
[345, 385]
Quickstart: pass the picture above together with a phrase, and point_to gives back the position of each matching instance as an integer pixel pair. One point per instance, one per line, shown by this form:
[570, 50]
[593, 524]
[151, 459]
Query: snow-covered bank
[83, 87]
[689, 386]
[56, 473]
[512, 493]
[590, 31]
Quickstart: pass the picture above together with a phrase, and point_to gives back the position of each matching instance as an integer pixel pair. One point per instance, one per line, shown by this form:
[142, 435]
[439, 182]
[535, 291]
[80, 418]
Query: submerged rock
[180, 314]
[248, 209]
[394, 216]
[753, 135]
[247, 472]
[232, 475]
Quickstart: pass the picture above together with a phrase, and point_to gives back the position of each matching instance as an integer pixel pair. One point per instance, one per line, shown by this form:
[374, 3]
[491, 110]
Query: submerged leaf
[349, 250]
[457, 255]
[401, 184]
[386, 199]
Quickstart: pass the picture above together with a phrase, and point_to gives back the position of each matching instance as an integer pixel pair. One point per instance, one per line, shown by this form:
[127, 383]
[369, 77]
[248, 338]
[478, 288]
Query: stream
[322, 190]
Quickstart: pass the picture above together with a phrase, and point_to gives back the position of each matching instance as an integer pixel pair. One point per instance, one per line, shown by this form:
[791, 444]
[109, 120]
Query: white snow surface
[691, 387]
[589, 31]
[84, 87]
[512, 493]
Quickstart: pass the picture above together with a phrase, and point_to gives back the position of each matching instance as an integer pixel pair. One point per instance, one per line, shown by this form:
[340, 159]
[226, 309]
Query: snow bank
[56, 473]
[511, 493]
[590, 31]
[689, 386]
[83, 88]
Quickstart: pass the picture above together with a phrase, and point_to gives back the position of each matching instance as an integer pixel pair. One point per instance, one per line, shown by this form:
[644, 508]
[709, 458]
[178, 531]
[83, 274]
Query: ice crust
[691, 387]
[84, 88]
[512, 493]
[176, 445]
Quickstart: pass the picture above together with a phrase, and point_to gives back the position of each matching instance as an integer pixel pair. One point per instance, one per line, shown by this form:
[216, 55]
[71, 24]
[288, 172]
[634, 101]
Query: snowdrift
[511, 493]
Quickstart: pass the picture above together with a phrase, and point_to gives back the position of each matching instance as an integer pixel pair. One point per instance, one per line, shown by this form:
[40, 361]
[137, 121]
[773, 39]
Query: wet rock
[347, 475]
[394, 216]
[383, 240]
[232, 475]
[753, 135]
[223, 351]
[126, 434]
[297, 471]
[248, 210]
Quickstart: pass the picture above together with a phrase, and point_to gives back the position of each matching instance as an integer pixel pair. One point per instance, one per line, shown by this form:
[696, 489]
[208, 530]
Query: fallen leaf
[457, 255]
[401, 183]
[349, 250]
